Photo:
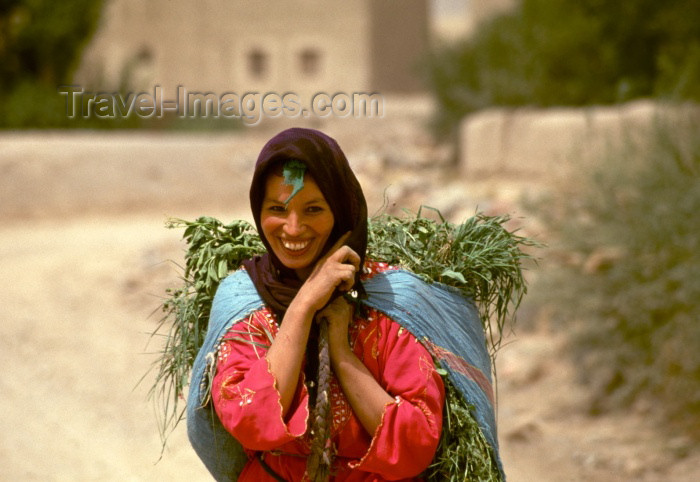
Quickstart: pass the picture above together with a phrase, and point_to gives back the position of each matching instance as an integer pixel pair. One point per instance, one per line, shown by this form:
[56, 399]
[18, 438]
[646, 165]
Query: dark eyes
[277, 208]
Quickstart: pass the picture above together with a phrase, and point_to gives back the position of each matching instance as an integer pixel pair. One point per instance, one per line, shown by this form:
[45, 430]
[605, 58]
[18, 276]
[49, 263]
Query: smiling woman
[309, 384]
[296, 226]
[318, 363]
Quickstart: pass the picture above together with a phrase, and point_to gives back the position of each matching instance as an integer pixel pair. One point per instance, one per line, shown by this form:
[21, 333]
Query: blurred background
[579, 119]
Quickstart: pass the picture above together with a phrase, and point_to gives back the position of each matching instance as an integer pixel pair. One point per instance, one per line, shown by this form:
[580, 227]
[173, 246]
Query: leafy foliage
[40, 45]
[566, 52]
[214, 249]
[42, 39]
[627, 283]
[480, 257]
[463, 452]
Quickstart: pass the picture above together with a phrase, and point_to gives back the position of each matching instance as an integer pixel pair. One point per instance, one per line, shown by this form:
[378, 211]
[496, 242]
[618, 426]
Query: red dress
[248, 403]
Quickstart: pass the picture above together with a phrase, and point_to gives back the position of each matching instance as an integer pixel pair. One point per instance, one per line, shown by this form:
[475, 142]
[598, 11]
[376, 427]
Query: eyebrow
[311, 201]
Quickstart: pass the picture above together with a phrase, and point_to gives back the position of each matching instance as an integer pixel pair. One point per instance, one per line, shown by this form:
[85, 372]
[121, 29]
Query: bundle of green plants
[626, 284]
[463, 453]
[213, 250]
[480, 257]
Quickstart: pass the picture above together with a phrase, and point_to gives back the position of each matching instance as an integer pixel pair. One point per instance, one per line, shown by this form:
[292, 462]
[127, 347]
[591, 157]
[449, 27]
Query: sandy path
[75, 301]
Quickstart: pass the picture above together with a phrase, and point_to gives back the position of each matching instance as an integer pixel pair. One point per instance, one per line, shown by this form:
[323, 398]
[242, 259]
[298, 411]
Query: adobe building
[304, 46]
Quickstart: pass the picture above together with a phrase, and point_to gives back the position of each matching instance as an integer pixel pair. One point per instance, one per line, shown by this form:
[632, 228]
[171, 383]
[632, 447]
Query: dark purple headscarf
[326, 163]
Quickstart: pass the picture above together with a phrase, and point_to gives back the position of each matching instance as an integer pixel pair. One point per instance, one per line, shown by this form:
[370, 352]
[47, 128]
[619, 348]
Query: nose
[294, 226]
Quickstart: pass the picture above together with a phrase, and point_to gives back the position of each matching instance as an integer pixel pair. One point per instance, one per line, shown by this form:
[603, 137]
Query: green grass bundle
[213, 250]
[463, 453]
[480, 257]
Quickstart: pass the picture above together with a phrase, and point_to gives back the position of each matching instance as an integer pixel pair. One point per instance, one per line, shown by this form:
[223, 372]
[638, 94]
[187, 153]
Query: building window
[310, 62]
[257, 63]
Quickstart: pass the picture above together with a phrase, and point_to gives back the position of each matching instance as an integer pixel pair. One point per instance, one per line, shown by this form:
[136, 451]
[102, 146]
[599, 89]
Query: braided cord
[319, 462]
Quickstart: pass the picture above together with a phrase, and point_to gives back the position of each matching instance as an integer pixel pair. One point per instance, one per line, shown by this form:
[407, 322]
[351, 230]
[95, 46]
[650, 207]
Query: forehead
[276, 189]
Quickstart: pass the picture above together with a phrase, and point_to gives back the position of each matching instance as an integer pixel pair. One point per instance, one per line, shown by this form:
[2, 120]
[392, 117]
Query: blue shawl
[441, 318]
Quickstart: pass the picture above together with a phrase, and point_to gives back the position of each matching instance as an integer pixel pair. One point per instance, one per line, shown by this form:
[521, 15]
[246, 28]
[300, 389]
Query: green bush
[566, 52]
[626, 282]
[40, 46]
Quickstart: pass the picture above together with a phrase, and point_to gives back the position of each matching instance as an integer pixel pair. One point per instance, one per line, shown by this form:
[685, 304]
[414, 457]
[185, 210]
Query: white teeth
[295, 246]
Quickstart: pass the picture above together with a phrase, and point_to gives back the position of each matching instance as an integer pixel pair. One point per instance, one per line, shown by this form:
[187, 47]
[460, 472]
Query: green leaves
[214, 249]
[41, 43]
[454, 275]
[480, 257]
[542, 52]
[463, 453]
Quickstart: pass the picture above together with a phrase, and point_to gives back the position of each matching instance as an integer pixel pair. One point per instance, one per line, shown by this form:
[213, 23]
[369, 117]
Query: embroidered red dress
[248, 403]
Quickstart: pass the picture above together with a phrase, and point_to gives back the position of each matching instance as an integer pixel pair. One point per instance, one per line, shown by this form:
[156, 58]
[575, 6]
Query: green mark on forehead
[293, 172]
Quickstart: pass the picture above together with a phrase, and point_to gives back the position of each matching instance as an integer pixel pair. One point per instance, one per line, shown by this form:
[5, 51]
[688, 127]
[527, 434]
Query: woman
[386, 398]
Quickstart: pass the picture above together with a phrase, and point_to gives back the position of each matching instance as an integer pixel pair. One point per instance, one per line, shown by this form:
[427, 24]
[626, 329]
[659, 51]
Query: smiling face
[298, 231]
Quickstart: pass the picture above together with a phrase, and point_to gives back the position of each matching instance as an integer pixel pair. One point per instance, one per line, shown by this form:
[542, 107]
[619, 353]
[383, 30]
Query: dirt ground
[80, 280]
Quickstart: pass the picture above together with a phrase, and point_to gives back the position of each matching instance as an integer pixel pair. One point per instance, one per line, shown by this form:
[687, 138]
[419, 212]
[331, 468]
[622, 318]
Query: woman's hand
[339, 315]
[334, 270]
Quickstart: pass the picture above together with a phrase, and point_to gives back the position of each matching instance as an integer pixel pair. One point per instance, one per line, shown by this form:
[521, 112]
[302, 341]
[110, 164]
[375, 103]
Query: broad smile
[295, 248]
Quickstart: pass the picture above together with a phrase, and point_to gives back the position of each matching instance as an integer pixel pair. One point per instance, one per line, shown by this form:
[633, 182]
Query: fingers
[335, 270]
[346, 254]
[337, 309]
[343, 253]
[340, 254]
[347, 283]
[333, 248]
[345, 276]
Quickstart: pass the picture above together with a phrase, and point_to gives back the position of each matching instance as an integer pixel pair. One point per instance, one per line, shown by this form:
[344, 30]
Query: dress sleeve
[405, 442]
[245, 392]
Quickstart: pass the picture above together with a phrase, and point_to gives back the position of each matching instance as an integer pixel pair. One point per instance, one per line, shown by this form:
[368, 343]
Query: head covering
[327, 164]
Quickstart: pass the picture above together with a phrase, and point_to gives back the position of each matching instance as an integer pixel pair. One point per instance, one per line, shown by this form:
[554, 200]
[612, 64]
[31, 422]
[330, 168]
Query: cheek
[324, 225]
[269, 224]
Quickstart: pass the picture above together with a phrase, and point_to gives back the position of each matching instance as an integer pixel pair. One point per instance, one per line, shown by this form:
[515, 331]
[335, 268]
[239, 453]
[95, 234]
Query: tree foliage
[566, 52]
[40, 46]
